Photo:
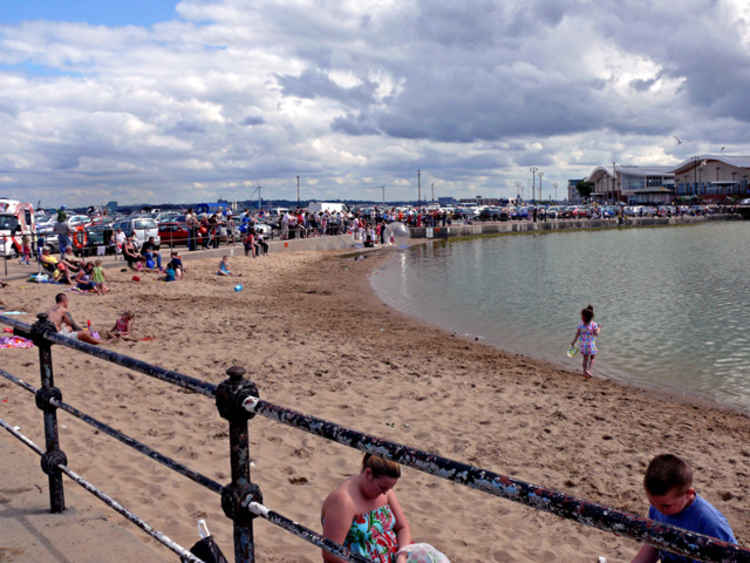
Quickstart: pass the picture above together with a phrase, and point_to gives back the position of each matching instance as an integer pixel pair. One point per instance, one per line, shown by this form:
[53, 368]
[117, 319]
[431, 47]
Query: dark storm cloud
[643, 85]
[705, 49]
[469, 73]
[241, 91]
[315, 83]
[252, 120]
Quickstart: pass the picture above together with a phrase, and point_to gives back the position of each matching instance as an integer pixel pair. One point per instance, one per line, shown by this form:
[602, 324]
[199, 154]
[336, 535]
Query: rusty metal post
[230, 395]
[53, 455]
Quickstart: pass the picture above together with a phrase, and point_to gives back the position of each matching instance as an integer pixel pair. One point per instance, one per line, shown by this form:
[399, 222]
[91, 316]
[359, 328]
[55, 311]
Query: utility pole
[614, 182]
[533, 170]
[433, 192]
[419, 186]
[297, 191]
[555, 184]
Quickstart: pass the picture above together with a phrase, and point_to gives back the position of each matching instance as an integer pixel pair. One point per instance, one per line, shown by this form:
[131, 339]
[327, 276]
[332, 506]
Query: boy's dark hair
[587, 314]
[59, 298]
[667, 472]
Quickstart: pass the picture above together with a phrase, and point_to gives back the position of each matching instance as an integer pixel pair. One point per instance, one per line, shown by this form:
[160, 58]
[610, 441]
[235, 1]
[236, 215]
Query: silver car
[142, 227]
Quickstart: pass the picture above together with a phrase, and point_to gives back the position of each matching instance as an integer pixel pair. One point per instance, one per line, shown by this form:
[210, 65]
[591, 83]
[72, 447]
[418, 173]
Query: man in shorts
[64, 323]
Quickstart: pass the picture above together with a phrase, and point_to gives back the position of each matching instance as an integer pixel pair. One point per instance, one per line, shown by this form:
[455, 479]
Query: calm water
[673, 303]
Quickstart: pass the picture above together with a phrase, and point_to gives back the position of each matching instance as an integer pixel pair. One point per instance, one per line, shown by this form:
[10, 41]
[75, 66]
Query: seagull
[679, 141]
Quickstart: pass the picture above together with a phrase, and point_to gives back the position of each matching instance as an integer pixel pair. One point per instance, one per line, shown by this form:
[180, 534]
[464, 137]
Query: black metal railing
[237, 400]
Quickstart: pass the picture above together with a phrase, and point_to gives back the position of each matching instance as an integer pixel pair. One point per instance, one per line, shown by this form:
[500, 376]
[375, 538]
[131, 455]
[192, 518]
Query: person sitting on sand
[122, 326]
[224, 267]
[72, 263]
[175, 264]
[50, 263]
[64, 323]
[151, 254]
[134, 260]
[669, 488]
[84, 280]
[364, 515]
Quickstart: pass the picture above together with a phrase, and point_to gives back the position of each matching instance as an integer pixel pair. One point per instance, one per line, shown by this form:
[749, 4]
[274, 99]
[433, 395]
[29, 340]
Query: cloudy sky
[190, 101]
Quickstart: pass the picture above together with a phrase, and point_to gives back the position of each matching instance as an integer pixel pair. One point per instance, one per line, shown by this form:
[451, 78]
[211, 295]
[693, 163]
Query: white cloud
[237, 93]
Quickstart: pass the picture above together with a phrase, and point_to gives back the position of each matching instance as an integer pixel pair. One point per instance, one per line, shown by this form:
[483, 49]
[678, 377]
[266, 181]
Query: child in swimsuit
[122, 326]
[98, 277]
[587, 332]
[224, 267]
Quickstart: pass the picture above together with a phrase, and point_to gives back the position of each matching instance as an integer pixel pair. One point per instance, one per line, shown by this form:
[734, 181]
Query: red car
[173, 234]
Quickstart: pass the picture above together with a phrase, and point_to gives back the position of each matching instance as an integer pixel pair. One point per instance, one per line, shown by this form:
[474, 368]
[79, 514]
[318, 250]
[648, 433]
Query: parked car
[98, 237]
[142, 227]
[176, 233]
[493, 214]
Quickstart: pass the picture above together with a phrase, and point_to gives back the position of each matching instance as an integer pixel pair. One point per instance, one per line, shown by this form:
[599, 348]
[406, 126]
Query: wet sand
[314, 337]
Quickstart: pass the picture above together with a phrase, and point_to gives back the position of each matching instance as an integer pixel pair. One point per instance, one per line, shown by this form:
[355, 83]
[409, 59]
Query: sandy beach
[313, 336]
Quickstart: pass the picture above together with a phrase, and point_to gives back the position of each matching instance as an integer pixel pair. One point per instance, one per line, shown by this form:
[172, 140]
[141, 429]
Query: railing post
[230, 395]
[53, 455]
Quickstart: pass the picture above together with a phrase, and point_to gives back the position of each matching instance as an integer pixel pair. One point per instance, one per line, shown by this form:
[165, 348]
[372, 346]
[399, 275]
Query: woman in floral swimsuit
[365, 516]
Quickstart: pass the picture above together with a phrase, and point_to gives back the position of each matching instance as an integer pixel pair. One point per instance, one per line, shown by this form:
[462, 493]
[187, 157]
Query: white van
[141, 227]
[331, 207]
[16, 222]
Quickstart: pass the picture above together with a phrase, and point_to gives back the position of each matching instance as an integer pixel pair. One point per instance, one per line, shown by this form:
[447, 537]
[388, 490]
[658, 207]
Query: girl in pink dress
[587, 332]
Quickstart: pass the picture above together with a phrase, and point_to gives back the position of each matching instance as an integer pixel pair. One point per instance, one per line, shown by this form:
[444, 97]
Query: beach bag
[423, 553]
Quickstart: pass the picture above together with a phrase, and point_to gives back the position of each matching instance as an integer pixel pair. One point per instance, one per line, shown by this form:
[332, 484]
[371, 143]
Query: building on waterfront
[573, 195]
[712, 176]
[633, 184]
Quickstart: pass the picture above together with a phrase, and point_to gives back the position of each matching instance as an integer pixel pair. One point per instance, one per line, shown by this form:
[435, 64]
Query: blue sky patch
[94, 12]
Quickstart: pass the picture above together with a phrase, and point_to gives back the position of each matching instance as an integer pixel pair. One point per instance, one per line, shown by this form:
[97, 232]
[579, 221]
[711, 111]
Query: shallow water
[673, 303]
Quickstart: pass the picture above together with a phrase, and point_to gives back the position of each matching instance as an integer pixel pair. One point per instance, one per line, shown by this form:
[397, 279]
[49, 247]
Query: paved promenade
[12, 270]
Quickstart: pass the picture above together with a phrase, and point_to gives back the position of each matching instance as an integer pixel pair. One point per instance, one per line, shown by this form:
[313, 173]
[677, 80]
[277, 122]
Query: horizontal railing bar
[302, 532]
[663, 536]
[109, 501]
[124, 438]
[173, 377]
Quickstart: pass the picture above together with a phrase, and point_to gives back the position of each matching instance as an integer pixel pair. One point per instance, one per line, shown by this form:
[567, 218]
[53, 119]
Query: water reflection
[673, 303]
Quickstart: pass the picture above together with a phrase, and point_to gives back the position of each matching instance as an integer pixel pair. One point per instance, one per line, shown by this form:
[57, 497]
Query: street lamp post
[533, 171]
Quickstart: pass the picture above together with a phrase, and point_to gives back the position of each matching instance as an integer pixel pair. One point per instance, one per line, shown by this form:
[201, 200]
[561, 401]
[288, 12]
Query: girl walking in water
[587, 331]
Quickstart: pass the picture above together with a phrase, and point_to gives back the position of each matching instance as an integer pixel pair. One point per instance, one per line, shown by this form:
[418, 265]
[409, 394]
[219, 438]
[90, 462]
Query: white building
[712, 176]
[635, 184]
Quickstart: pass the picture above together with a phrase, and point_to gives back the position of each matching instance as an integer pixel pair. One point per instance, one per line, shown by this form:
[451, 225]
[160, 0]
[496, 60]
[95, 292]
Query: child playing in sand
[122, 326]
[669, 488]
[587, 331]
[98, 277]
[224, 267]
[175, 263]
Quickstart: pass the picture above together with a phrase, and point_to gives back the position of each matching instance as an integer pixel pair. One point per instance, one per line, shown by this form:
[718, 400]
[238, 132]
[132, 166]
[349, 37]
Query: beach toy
[239, 287]
[136, 278]
[286, 245]
[572, 351]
